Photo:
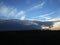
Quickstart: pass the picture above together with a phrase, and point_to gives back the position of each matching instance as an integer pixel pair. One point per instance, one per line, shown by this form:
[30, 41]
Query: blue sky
[39, 10]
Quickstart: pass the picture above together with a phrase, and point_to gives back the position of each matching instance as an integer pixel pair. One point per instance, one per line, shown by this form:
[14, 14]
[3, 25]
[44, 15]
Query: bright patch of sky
[39, 10]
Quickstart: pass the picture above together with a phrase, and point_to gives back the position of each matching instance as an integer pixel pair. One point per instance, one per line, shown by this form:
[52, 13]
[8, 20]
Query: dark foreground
[35, 37]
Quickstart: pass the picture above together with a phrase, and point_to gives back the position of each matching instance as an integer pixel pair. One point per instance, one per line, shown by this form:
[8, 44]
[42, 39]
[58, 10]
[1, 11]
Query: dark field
[37, 37]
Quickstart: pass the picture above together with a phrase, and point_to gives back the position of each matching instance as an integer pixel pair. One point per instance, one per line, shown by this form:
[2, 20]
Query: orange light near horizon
[56, 26]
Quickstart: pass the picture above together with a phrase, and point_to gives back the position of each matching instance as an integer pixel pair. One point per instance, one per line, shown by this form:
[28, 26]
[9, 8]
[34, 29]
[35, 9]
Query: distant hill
[15, 24]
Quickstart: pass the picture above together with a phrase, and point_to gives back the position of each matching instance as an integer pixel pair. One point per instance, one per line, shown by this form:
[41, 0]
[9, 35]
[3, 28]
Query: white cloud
[43, 17]
[55, 19]
[22, 17]
[21, 13]
[4, 10]
[31, 19]
[37, 6]
[57, 16]
[11, 12]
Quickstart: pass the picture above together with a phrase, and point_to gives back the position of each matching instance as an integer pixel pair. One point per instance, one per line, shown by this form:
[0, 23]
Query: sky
[38, 10]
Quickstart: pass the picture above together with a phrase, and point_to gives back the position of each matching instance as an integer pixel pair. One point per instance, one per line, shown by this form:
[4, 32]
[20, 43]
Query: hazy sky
[42, 10]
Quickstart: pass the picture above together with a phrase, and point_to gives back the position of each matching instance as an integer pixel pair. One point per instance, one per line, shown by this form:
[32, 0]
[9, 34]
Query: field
[30, 37]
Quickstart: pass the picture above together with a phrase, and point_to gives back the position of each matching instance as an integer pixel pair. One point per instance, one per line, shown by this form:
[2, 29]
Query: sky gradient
[39, 10]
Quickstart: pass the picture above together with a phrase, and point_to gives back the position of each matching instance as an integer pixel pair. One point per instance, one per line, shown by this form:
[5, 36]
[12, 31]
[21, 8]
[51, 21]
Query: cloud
[31, 23]
[44, 17]
[55, 19]
[39, 6]
[56, 16]
[22, 17]
[30, 19]
[4, 10]
[56, 26]
[9, 12]
[21, 12]
[13, 11]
